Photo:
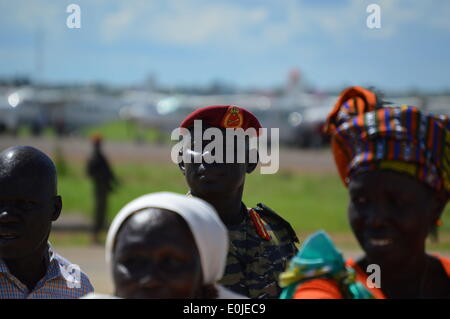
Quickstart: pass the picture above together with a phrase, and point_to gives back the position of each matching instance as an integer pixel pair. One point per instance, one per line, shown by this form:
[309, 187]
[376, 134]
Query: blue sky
[250, 43]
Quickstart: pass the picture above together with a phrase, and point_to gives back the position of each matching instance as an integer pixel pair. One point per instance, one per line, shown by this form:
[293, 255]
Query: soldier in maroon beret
[261, 242]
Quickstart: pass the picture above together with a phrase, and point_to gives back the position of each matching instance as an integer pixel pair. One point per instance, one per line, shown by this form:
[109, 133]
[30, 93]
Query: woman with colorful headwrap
[166, 245]
[395, 162]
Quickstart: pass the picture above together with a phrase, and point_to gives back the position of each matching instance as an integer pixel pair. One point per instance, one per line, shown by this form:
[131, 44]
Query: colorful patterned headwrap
[367, 135]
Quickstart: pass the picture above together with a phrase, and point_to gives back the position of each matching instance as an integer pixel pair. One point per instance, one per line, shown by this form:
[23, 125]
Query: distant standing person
[104, 182]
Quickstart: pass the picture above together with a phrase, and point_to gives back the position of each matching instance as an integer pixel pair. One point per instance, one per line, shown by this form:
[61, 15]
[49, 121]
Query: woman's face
[391, 214]
[155, 256]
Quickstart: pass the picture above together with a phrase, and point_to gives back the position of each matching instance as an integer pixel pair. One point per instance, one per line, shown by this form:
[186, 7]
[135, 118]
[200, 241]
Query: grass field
[126, 131]
[308, 201]
[120, 131]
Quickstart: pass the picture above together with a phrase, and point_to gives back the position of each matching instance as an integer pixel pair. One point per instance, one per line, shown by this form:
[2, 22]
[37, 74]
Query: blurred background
[134, 69]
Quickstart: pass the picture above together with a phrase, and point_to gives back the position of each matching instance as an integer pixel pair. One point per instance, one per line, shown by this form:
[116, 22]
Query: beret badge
[233, 118]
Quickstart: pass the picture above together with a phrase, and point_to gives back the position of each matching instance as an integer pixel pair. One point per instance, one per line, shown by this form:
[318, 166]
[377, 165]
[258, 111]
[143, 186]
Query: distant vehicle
[9, 118]
[310, 130]
[66, 110]
[439, 105]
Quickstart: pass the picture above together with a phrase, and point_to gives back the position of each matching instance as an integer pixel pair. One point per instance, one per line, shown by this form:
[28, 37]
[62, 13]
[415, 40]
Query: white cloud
[190, 23]
[228, 24]
[220, 23]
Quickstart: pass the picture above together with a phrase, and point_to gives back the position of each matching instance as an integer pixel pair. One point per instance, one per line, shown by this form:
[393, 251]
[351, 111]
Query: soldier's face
[391, 214]
[211, 179]
[156, 257]
[27, 208]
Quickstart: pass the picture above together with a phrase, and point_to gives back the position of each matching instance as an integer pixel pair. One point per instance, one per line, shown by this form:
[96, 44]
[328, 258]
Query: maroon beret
[223, 116]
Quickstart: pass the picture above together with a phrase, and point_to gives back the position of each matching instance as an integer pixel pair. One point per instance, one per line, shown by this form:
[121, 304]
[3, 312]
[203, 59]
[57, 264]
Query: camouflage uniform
[260, 249]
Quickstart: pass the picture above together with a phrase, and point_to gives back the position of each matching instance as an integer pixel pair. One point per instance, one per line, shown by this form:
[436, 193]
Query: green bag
[318, 258]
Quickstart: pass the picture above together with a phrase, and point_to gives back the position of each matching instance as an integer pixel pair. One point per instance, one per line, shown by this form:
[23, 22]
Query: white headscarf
[210, 234]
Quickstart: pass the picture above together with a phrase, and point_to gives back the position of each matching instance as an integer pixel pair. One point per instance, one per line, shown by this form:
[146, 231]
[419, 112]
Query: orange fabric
[391, 145]
[445, 263]
[361, 276]
[382, 121]
[318, 289]
[328, 288]
[359, 101]
[341, 158]
[257, 222]
[365, 99]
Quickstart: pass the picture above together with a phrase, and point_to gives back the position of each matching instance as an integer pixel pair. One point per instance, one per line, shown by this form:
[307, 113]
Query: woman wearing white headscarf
[166, 245]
